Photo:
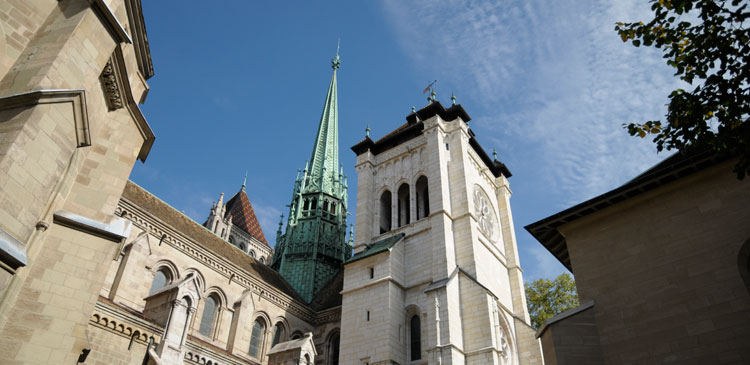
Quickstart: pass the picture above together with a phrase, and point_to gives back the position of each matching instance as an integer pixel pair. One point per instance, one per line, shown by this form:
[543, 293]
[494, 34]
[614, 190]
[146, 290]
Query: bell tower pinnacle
[314, 247]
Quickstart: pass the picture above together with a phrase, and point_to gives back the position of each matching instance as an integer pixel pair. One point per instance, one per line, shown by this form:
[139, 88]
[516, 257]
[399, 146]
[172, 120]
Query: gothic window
[209, 315]
[333, 349]
[278, 334]
[161, 279]
[423, 198]
[403, 205]
[262, 260]
[256, 337]
[314, 204]
[223, 230]
[216, 226]
[333, 208]
[306, 204]
[252, 253]
[325, 206]
[243, 247]
[307, 360]
[385, 212]
[296, 335]
[415, 338]
[231, 239]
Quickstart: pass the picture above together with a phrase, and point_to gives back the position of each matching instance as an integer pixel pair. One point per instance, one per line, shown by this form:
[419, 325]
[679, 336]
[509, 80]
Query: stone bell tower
[313, 248]
[435, 276]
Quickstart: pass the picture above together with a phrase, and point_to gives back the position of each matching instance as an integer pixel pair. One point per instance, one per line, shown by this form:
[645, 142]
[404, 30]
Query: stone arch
[219, 293]
[165, 264]
[251, 253]
[422, 196]
[259, 340]
[279, 323]
[297, 334]
[413, 338]
[385, 217]
[198, 277]
[333, 341]
[403, 208]
[504, 337]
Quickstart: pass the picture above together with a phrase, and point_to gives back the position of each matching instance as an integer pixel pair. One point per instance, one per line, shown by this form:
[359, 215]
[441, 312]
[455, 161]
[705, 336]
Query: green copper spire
[325, 153]
[244, 182]
[314, 248]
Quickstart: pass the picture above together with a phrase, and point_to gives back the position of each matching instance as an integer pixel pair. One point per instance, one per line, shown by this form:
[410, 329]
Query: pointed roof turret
[243, 215]
[325, 154]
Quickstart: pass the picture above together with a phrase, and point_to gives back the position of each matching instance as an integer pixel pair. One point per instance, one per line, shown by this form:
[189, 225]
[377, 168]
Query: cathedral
[97, 270]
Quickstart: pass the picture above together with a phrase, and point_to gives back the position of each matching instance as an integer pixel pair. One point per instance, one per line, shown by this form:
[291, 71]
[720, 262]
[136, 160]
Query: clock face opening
[485, 214]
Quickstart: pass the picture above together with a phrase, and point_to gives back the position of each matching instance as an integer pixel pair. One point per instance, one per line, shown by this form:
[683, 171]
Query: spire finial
[367, 131]
[336, 62]
[453, 98]
[281, 224]
[244, 181]
[494, 154]
[413, 109]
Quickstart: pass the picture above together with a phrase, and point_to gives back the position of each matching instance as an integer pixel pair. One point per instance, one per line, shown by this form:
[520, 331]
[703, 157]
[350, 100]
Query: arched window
[278, 334]
[209, 315]
[161, 279]
[314, 204]
[307, 360]
[415, 338]
[296, 335]
[243, 247]
[216, 226]
[256, 337]
[231, 239]
[262, 260]
[325, 205]
[423, 198]
[333, 208]
[306, 204]
[385, 212]
[403, 205]
[223, 230]
[333, 349]
[252, 253]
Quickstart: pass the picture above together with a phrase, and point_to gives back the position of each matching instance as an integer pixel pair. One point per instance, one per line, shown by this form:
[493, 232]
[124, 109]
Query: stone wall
[65, 157]
[662, 270]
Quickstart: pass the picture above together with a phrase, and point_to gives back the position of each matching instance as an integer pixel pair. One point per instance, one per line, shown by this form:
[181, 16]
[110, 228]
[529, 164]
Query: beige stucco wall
[662, 270]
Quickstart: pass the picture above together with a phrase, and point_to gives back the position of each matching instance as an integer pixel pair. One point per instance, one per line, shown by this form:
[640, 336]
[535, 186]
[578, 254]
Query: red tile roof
[243, 216]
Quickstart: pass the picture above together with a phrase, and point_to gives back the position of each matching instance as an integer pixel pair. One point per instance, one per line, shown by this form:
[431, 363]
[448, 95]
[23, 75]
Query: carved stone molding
[111, 87]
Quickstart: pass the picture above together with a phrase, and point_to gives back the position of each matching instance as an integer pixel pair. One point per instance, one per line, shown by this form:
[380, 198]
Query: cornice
[193, 249]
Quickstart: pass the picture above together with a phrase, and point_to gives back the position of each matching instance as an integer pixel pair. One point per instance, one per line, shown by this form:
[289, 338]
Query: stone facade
[456, 267]
[65, 156]
[95, 269]
[663, 265]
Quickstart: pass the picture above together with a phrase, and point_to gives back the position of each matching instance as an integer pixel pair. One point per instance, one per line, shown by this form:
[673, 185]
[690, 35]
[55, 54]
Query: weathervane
[429, 88]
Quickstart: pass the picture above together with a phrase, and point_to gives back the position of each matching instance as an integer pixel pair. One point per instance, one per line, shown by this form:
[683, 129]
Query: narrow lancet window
[403, 205]
[385, 212]
[423, 198]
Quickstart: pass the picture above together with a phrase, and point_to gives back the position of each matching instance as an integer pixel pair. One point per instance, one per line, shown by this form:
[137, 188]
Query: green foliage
[707, 42]
[547, 297]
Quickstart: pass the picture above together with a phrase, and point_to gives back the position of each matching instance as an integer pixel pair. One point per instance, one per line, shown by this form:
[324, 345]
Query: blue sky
[240, 86]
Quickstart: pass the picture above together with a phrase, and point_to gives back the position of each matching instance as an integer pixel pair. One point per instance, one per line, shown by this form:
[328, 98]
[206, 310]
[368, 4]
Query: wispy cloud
[268, 217]
[551, 80]
[546, 266]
